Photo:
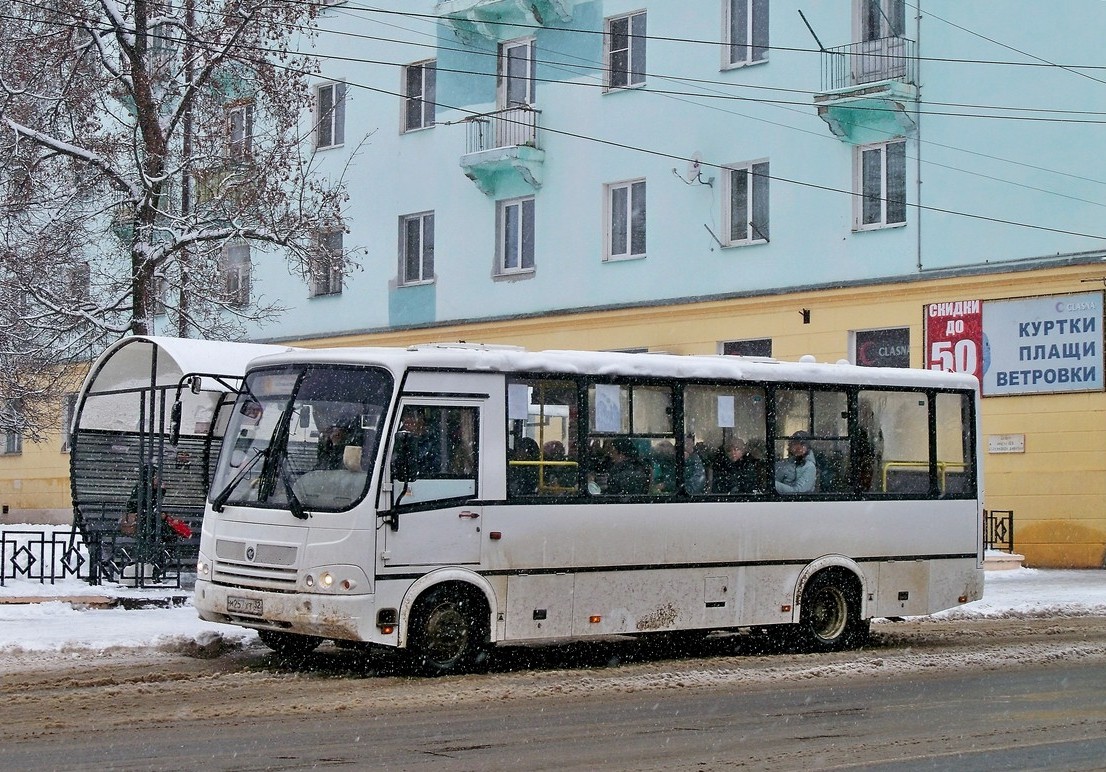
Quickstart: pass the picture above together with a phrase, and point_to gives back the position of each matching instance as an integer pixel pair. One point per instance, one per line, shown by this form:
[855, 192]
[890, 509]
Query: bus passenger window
[542, 457]
[728, 424]
[955, 435]
[893, 441]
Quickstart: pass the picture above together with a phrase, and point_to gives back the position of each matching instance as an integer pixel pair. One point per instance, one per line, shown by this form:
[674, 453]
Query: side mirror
[305, 417]
[405, 460]
[174, 422]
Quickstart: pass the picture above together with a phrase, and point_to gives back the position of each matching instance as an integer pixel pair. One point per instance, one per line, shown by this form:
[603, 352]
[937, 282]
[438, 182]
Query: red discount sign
[954, 337]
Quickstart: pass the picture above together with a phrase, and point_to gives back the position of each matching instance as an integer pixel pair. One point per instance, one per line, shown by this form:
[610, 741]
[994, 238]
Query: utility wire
[719, 166]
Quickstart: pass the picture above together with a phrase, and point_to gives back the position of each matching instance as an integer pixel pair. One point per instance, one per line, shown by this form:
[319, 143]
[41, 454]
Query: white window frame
[515, 252]
[736, 53]
[622, 199]
[326, 269]
[419, 101]
[865, 177]
[756, 174]
[505, 78]
[237, 270]
[240, 131]
[330, 130]
[424, 221]
[625, 76]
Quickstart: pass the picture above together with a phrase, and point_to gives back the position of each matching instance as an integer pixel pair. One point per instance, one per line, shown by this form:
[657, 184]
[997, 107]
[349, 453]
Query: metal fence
[998, 529]
[51, 555]
[870, 61]
[511, 127]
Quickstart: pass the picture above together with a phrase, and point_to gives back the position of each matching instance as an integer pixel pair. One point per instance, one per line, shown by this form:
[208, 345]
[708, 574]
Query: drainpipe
[918, 126]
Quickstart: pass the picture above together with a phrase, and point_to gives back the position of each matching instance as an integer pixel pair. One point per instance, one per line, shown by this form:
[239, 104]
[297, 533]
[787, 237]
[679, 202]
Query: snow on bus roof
[490, 358]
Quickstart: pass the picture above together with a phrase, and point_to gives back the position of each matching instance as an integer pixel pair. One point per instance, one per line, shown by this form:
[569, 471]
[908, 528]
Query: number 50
[959, 357]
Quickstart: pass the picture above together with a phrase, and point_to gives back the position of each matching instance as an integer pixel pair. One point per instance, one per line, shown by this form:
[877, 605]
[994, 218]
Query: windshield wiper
[220, 501]
[276, 467]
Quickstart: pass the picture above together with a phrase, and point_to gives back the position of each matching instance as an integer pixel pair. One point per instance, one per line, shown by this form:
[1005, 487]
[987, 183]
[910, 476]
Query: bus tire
[289, 645]
[829, 618]
[448, 632]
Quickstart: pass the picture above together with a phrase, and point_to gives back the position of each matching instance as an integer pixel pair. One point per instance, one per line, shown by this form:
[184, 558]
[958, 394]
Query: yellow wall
[1057, 488]
[34, 485]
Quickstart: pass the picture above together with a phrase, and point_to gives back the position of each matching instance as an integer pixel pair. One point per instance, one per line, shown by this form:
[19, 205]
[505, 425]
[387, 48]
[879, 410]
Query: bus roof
[508, 359]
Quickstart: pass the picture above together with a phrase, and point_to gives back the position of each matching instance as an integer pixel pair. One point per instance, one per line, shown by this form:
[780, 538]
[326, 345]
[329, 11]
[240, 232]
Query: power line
[676, 157]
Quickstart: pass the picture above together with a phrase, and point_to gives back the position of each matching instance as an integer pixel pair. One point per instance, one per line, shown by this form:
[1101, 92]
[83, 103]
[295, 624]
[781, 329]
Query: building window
[326, 266]
[416, 238]
[746, 31]
[76, 282]
[331, 128]
[419, 87]
[236, 274]
[625, 43]
[68, 411]
[13, 439]
[880, 193]
[516, 73]
[240, 130]
[516, 235]
[882, 348]
[745, 191]
[756, 347]
[625, 220]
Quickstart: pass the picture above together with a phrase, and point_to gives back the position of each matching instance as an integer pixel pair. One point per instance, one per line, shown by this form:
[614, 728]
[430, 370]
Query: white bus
[446, 498]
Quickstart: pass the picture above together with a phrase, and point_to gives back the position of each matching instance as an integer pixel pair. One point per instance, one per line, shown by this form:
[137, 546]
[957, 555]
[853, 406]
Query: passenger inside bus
[737, 468]
[522, 472]
[627, 473]
[797, 473]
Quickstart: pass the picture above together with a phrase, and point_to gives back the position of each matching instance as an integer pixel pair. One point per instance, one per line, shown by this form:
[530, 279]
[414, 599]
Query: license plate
[251, 606]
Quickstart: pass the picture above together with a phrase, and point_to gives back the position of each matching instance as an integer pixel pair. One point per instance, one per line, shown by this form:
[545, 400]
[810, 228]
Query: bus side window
[542, 457]
[728, 425]
[894, 441]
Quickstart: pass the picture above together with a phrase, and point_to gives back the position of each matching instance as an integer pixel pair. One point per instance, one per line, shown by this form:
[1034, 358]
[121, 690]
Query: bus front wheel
[448, 632]
[829, 619]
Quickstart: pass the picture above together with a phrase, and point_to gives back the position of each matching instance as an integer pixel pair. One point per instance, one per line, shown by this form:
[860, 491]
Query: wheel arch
[469, 580]
[836, 563]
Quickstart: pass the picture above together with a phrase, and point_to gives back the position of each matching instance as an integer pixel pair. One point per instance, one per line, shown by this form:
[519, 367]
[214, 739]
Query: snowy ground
[63, 625]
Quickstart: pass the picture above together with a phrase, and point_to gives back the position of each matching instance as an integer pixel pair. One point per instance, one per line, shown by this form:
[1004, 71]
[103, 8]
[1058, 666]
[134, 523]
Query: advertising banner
[1043, 345]
[1035, 345]
[954, 337]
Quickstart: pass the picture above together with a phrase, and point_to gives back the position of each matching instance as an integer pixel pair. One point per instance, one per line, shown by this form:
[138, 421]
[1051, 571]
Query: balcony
[502, 146]
[503, 19]
[868, 89]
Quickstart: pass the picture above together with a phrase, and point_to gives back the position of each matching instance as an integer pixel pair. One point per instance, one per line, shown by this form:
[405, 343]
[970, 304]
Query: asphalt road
[982, 694]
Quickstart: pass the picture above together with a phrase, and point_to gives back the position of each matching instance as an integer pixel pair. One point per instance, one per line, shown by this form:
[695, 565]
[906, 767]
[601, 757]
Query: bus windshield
[302, 438]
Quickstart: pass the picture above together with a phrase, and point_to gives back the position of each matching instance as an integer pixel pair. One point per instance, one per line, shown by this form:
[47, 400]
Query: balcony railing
[510, 127]
[870, 61]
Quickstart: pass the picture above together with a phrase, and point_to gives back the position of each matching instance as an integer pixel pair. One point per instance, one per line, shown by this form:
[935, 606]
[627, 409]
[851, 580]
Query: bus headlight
[335, 579]
[202, 568]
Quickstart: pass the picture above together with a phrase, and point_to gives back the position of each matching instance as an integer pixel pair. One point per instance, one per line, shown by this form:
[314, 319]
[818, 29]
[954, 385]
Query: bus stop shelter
[145, 437]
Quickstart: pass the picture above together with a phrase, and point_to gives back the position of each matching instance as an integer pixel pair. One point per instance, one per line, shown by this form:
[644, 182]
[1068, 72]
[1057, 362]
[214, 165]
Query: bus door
[435, 518]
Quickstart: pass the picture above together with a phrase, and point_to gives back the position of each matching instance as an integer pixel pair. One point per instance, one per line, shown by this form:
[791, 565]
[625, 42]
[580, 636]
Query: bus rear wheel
[829, 619]
[289, 645]
[448, 632]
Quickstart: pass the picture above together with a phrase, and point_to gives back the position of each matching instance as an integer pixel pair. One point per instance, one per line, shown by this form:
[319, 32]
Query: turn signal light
[595, 619]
